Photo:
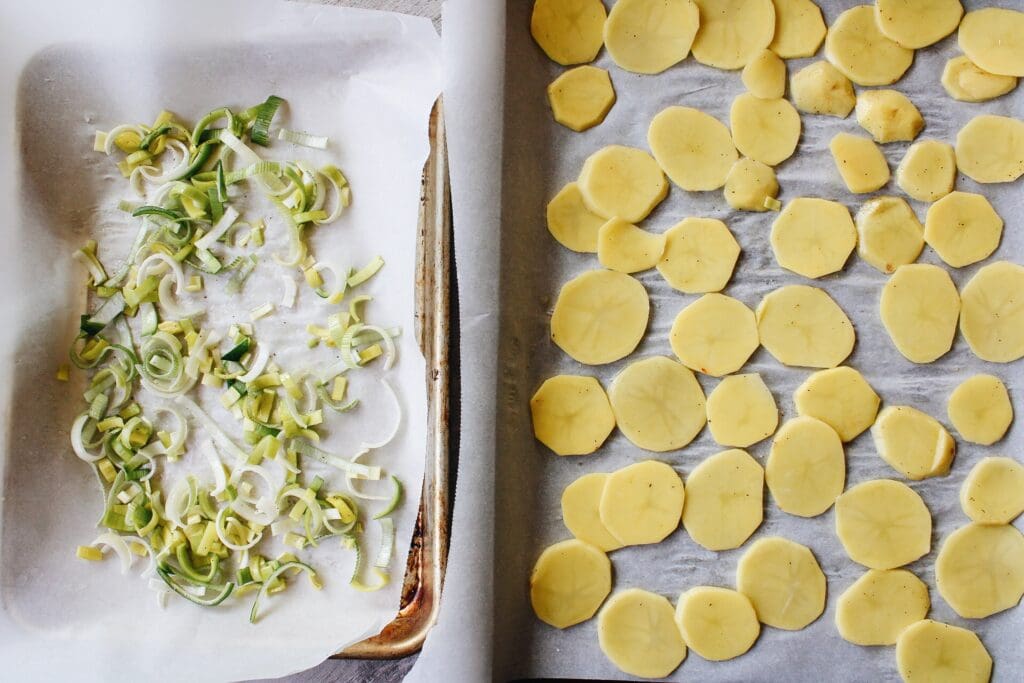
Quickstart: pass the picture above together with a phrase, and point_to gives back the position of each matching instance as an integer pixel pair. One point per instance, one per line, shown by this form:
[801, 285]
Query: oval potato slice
[750, 185]
[879, 605]
[931, 652]
[571, 222]
[913, 442]
[580, 98]
[883, 524]
[980, 409]
[889, 233]
[580, 514]
[765, 76]
[799, 29]
[920, 23]
[732, 32]
[642, 503]
[626, 248]
[715, 335]
[569, 31]
[649, 36]
[839, 397]
[742, 411]
[862, 52]
[993, 492]
[888, 115]
[699, 255]
[990, 149]
[717, 623]
[724, 500]
[962, 228]
[637, 633]
[813, 237]
[694, 149]
[927, 171]
[569, 582]
[622, 182]
[600, 316]
[804, 327]
[820, 88]
[966, 81]
[991, 316]
[860, 163]
[571, 414]
[919, 309]
[783, 581]
[658, 404]
[806, 468]
[764, 130]
[980, 569]
[993, 38]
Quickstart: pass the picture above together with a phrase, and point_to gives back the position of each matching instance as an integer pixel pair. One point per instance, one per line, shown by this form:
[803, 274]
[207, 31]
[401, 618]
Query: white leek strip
[340, 283]
[398, 420]
[219, 478]
[349, 466]
[109, 146]
[261, 311]
[293, 410]
[307, 497]
[136, 181]
[296, 247]
[259, 363]
[152, 464]
[221, 439]
[350, 481]
[297, 137]
[152, 261]
[290, 289]
[76, 440]
[151, 569]
[218, 230]
[168, 171]
[89, 260]
[176, 501]
[341, 188]
[223, 536]
[248, 157]
[319, 186]
[169, 303]
[387, 543]
[357, 334]
[199, 353]
[117, 544]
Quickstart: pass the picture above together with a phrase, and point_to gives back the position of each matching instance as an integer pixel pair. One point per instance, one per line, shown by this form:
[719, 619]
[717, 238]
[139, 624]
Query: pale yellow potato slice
[658, 404]
[600, 316]
[783, 582]
[715, 335]
[799, 29]
[980, 409]
[813, 237]
[637, 633]
[862, 52]
[622, 182]
[888, 115]
[765, 76]
[962, 228]
[993, 38]
[980, 569]
[571, 414]
[820, 88]
[991, 316]
[876, 608]
[802, 326]
[732, 32]
[580, 98]
[649, 36]
[569, 582]
[764, 130]
[932, 652]
[806, 468]
[912, 442]
[927, 171]
[750, 185]
[990, 149]
[694, 149]
[642, 503]
[839, 397]
[724, 500]
[919, 308]
[569, 31]
[580, 514]
[699, 255]
[993, 492]
[966, 81]
[626, 248]
[717, 623]
[571, 222]
[860, 163]
[917, 23]
[742, 411]
[883, 524]
[889, 233]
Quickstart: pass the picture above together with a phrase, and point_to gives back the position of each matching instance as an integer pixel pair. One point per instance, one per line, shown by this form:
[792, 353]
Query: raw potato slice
[883, 524]
[717, 623]
[890, 234]
[806, 468]
[716, 334]
[912, 442]
[732, 32]
[839, 397]
[724, 500]
[860, 162]
[765, 76]
[962, 228]
[626, 248]
[699, 255]
[993, 492]
[879, 605]
[888, 115]
[600, 316]
[980, 569]
[571, 414]
[571, 222]
[990, 149]
[569, 582]
[750, 184]
[658, 404]
[802, 326]
[799, 29]
[783, 581]
[649, 36]
[813, 237]
[862, 52]
[918, 23]
[580, 501]
[966, 81]
[695, 149]
[622, 182]
[993, 38]
[764, 130]
[742, 411]
[919, 308]
[928, 170]
[991, 318]
[637, 632]
[569, 31]
[642, 503]
[932, 652]
[820, 88]
[581, 97]
[980, 409]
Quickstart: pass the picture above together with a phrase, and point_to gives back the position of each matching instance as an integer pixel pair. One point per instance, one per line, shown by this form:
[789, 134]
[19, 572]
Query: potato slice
[724, 500]
[990, 149]
[699, 255]
[966, 81]
[890, 234]
[715, 334]
[622, 182]
[962, 228]
[695, 149]
[580, 98]
[879, 605]
[991, 317]
[813, 237]
[764, 130]
[980, 569]
[580, 514]
[783, 582]
[862, 52]
[802, 326]
[742, 411]
[993, 492]
[732, 32]
[799, 29]
[637, 633]
[917, 24]
[717, 623]
[569, 31]
[888, 115]
[806, 468]
[765, 76]
[571, 222]
[600, 316]
[931, 652]
[649, 36]
[750, 184]
[642, 503]
[993, 38]
[658, 404]
[919, 308]
[928, 171]
[571, 414]
[912, 442]
[883, 524]
[626, 248]
[860, 162]
[839, 397]
[569, 582]
[820, 88]
[980, 409]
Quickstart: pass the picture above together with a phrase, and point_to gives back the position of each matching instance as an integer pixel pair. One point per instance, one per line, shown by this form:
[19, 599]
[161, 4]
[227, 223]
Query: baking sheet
[367, 80]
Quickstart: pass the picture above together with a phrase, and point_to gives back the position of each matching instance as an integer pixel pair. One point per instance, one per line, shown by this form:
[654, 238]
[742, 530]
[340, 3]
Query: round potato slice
[600, 316]
[571, 222]
[750, 185]
[724, 500]
[742, 411]
[993, 38]
[695, 149]
[765, 76]
[839, 397]
[580, 98]
[764, 130]
[716, 334]
[717, 623]
[917, 24]
[622, 182]
[980, 569]
[890, 234]
[813, 237]
[637, 632]
[966, 81]
[993, 492]
[879, 605]
[860, 162]
[980, 409]
[820, 88]
[699, 255]
[642, 503]
[991, 318]
[802, 326]
[569, 31]
[806, 468]
[649, 36]
[799, 29]
[990, 149]
[569, 582]
[912, 442]
[658, 404]
[571, 414]
[783, 581]
[928, 171]
[732, 32]
[932, 652]
[580, 514]
[862, 52]
[888, 115]
[626, 248]
[919, 308]
[962, 228]
[883, 524]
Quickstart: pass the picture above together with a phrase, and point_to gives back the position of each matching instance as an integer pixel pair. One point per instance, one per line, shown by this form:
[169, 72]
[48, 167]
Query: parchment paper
[365, 79]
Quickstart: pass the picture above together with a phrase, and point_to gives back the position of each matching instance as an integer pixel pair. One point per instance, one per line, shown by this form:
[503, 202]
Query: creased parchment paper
[365, 79]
